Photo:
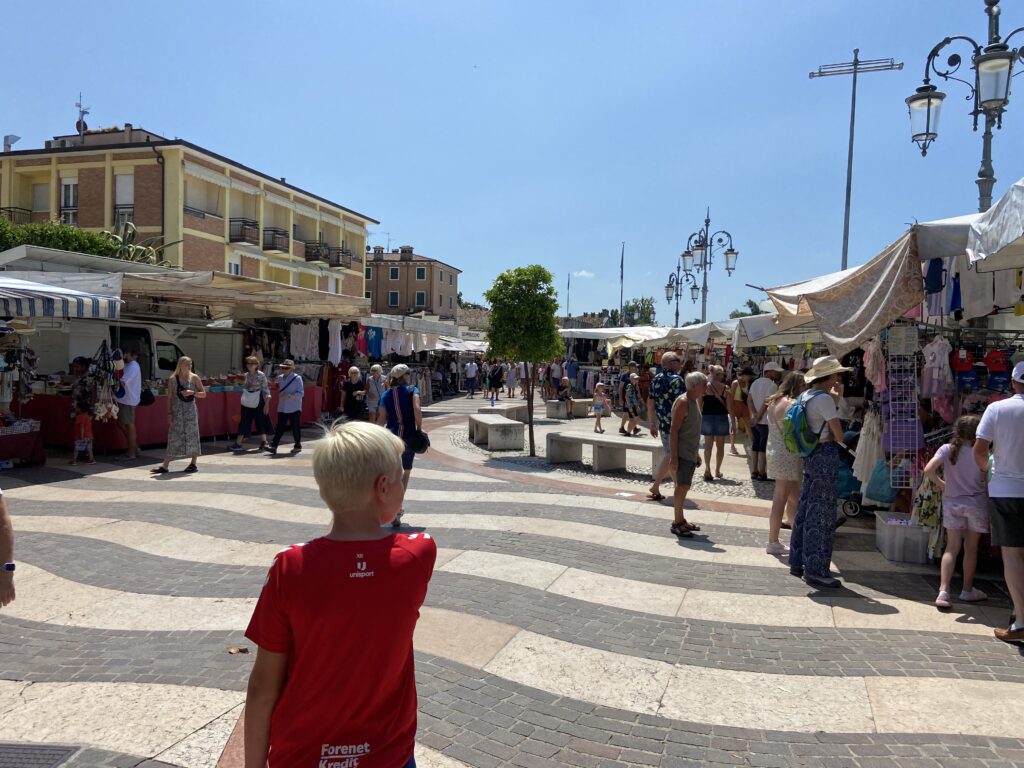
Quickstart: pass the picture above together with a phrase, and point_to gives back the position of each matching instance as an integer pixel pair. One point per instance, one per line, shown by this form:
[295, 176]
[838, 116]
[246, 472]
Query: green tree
[638, 311]
[522, 325]
[613, 318]
[468, 304]
[752, 309]
[54, 235]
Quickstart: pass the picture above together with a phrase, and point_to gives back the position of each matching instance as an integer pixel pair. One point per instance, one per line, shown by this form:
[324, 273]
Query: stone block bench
[514, 411]
[496, 432]
[609, 451]
[555, 409]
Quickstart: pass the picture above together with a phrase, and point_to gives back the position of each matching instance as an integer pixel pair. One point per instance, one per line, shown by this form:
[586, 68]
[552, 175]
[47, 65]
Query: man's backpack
[796, 429]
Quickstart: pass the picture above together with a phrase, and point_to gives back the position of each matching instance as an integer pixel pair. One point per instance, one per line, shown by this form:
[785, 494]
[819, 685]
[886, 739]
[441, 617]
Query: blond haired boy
[334, 684]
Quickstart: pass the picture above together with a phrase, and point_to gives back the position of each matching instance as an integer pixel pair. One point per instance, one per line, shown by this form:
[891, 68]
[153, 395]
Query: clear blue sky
[493, 134]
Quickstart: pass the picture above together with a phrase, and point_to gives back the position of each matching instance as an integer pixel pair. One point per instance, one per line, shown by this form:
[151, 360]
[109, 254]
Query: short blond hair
[348, 461]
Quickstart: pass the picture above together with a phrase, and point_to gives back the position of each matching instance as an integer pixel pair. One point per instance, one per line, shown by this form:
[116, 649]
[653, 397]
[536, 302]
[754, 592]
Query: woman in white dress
[783, 465]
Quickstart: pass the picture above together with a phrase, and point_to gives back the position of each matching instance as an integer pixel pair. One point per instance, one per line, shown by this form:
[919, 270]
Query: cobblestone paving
[470, 713]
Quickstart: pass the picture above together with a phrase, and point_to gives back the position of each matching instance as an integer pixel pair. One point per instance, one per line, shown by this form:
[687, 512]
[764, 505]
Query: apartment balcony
[317, 251]
[339, 257]
[275, 239]
[69, 216]
[124, 214]
[244, 231]
[16, 215]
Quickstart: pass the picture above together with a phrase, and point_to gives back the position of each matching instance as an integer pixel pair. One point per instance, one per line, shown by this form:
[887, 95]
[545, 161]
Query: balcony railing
[244, 231]
[69, 216]
[340, 257]
[316, 251]
[275, 239]
[124, 214]
[16, 215]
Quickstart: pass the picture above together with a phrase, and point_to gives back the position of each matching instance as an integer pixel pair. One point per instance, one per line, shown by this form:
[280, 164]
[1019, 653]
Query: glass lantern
[994, 68]
[925, 106]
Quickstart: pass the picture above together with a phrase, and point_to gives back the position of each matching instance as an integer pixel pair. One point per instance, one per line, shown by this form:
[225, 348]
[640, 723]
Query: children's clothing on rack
[937, 377]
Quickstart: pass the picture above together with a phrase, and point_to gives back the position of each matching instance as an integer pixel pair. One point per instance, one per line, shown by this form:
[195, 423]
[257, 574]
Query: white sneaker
[776, 548]
[942, 602]
[974, 596]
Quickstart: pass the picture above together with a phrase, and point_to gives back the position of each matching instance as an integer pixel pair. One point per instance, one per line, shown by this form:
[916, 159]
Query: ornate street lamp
[990, 93]
[701, 247]
[677, 282]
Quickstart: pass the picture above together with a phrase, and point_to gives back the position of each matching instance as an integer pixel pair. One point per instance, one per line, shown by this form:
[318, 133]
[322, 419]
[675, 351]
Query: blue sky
[494, 134]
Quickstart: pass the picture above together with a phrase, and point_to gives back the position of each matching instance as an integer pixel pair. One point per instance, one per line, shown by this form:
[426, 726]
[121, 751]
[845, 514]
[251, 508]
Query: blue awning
[24, 298]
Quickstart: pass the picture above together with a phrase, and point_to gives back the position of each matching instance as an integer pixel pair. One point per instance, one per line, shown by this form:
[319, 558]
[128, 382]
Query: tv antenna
[80, 124]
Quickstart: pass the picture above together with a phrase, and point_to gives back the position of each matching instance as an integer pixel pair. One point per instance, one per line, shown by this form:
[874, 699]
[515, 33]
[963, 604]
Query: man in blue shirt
[290, 391]
[665, 388]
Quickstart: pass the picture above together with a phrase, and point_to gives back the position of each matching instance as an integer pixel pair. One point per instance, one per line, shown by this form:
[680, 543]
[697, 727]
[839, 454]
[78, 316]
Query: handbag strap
[284, 389]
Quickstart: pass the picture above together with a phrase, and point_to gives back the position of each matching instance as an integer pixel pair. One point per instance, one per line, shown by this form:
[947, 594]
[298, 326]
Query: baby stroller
[851, 501]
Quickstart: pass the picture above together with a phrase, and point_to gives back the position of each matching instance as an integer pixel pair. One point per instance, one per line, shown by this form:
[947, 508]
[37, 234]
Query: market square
[366, 439]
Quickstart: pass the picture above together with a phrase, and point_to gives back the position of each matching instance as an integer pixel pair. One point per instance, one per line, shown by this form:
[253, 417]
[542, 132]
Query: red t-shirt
[997, 361]
[345, 612]
[961, 361]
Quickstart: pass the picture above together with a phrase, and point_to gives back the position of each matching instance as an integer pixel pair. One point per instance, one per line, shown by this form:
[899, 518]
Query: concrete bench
[515, 411]
[609, 451]
[497, 432]
[555, 409]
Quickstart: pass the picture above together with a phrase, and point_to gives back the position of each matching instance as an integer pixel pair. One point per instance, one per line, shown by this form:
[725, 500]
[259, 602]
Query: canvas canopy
[851, 306]
[772, 330]
[995, 239]
[236, 297]
[632, 332]
[27, 298]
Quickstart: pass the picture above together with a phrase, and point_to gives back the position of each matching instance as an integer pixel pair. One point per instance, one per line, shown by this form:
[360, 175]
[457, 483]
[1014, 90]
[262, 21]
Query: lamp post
[698, 257]
[678, 281]
[990, 93]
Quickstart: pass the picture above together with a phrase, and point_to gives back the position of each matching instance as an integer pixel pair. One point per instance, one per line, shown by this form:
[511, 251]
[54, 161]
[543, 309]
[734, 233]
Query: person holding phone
[183, 388]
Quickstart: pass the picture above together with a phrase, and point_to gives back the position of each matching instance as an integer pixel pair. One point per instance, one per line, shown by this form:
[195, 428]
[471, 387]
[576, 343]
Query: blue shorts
[760, 443]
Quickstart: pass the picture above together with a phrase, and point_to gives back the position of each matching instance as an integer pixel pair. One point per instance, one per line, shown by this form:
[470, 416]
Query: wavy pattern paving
[559, 630]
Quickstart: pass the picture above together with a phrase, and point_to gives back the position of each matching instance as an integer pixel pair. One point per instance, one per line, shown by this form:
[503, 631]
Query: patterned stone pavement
[563, 625]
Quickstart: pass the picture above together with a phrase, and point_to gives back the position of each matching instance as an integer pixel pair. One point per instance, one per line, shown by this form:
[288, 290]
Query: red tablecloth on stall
[27, 446]
[219, 413]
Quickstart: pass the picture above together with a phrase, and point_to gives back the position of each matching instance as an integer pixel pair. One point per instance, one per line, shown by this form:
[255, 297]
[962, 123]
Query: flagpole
[622, 273]
[568, 294]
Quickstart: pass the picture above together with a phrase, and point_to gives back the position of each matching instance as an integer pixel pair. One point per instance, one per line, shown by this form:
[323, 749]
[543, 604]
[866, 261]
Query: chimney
[378, 249]
[127, 133]
[283, 180]
[406, 252]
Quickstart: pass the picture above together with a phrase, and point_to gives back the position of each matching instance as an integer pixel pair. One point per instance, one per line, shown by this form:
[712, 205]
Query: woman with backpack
[810, 546]
[785, 466]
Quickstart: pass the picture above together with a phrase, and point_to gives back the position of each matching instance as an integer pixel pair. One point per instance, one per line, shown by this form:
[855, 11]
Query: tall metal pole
[568, 294]
[622, 276]
[707, 265]
[853, 68]
[678, 291]
[986, 173]
[849, 161]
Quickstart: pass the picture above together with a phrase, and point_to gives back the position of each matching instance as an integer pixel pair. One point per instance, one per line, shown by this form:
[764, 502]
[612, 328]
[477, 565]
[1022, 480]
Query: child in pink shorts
[964, 508]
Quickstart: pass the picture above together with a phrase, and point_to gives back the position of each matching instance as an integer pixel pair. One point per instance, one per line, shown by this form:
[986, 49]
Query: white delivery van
[214, 351]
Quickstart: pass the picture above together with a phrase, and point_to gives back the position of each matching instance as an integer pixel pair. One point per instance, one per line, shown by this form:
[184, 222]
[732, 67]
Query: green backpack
[796, 429]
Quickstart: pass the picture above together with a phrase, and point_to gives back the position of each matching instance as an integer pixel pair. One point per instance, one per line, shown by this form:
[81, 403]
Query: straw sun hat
[824, 366]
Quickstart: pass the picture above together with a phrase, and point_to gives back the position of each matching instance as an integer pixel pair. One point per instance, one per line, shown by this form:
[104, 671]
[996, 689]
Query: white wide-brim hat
[824, 366]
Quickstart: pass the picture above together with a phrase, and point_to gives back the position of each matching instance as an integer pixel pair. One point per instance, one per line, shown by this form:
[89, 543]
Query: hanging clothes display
[305, 341]
[869, 447]
[362, 345]
[334, 328]
[874, 365]
[937, 377]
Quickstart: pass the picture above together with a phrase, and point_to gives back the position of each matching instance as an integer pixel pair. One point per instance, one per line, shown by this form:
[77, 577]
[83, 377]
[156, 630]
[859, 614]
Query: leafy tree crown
[524, 304]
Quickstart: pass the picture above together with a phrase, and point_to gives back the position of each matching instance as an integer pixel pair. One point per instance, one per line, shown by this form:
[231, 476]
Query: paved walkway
[563, 626]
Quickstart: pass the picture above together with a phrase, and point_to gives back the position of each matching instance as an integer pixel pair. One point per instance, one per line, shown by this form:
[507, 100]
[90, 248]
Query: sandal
[159, 471]
[719, 475]
[708, 478]
[692, 526]
[681, 530]
[654, 496]
[191, 468]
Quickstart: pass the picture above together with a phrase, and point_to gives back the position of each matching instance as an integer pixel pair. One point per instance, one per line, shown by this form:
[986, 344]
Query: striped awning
[23, 298]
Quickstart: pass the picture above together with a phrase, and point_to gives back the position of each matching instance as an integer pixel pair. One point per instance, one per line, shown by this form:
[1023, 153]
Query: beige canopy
[236, 297]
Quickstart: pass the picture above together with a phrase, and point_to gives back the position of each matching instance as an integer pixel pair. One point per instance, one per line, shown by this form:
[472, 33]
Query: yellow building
[227, 217]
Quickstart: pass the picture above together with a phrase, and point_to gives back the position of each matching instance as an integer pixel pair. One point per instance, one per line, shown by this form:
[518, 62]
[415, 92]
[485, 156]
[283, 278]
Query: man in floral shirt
[665, 388]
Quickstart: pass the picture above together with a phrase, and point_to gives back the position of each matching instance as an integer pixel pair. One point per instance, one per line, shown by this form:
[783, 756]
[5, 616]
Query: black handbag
[146, 397]
[419, 441]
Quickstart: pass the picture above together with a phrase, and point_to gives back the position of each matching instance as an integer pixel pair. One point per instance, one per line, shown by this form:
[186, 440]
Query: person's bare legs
[780, 499]
[791, 502]
[679, 504]
[733, 426]
[971, 559]
[949, 560]
[659, 476]
[1013, 571]
[719, 454]
[708, 445]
